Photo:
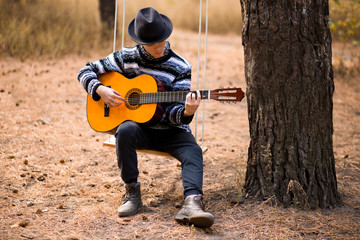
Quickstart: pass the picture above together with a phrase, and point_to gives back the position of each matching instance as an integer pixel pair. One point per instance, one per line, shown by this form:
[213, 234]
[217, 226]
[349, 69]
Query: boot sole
[202, 222]
[127, 214]
[198, 221]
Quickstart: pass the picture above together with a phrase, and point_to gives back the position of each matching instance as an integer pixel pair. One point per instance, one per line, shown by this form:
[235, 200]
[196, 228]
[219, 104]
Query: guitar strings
[229, 94]
[143, 98]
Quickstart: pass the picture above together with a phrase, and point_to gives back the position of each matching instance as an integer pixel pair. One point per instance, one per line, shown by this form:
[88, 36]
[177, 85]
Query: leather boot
[192, 213]
[132, 200]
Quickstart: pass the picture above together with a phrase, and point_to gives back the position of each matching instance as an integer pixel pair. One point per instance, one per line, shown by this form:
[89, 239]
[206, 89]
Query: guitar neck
[163, 97]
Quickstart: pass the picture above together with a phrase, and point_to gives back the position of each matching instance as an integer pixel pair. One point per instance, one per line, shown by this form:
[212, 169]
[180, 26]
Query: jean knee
[126, 132]
[192, 156]
[127, 128]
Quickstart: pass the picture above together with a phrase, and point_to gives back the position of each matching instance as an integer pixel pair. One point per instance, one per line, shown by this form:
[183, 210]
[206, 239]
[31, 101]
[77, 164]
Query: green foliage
[345, 29]
[345, 21]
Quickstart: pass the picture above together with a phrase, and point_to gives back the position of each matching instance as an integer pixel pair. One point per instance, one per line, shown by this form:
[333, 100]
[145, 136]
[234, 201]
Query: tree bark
[288, 70]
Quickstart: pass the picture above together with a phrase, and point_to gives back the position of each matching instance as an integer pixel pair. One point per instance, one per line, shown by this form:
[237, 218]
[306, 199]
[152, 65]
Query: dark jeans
[179, 143]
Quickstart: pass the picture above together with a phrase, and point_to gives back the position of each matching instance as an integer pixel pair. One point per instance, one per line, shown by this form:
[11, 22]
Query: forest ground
[57, 180]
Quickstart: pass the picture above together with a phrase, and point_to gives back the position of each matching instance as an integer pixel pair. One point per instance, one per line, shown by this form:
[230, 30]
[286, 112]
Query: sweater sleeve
[88, 75]
[175, 112]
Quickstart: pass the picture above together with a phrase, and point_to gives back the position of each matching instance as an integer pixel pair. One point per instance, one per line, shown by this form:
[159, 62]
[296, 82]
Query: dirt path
[59, 182]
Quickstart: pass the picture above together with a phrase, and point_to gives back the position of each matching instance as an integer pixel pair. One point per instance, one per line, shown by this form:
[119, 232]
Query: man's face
[156, 50]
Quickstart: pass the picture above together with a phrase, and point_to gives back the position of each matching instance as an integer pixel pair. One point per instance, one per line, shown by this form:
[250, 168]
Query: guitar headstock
[227, 94]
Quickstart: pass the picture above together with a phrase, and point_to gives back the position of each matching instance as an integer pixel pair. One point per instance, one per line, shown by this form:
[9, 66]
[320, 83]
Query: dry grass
[33, 28]
[224, 16]
[36, 28]
[57, 181]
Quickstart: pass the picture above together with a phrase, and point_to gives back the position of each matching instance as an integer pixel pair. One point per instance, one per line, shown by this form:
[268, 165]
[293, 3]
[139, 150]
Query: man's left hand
[192, 103]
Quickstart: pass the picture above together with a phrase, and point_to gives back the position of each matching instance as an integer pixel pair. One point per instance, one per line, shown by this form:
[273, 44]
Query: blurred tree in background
[107, 16]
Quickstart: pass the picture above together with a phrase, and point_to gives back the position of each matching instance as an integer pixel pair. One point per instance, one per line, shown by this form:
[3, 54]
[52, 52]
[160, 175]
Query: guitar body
[103, 119]
[144, 99]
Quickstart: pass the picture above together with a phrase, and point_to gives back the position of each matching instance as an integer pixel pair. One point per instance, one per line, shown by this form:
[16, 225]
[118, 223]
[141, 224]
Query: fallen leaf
[22, 223]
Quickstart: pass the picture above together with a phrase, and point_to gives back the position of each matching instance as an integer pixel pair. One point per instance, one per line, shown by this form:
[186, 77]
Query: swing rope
[199, 53]
[205, 62]
[198, 64]
[123, 25]
[115, 23]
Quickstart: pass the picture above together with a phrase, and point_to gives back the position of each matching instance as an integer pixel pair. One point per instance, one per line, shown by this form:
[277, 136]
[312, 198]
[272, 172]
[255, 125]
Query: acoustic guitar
[144, 99]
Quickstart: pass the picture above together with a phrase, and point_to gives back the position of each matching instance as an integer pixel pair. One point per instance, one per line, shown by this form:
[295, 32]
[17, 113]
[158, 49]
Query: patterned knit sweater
[171, 69]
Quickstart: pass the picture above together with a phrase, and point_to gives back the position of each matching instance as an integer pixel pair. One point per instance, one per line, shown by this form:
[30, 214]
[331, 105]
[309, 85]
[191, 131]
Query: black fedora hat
[150, 27]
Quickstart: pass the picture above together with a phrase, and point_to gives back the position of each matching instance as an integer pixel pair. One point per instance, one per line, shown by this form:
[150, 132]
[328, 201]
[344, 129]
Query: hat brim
[165, 34]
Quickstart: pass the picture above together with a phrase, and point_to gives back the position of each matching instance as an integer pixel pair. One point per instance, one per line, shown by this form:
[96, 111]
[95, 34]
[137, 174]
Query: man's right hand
[111, 97]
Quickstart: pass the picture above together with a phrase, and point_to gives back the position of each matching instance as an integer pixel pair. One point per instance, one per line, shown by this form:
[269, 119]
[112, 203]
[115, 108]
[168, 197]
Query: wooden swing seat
[111, 143]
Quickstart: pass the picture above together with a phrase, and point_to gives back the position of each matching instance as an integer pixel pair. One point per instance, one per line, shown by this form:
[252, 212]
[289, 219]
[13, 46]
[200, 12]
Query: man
[171, 134]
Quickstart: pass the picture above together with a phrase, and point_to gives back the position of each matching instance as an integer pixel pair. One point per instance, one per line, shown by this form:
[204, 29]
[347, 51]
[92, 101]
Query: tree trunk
[288, 70]
[107, 13]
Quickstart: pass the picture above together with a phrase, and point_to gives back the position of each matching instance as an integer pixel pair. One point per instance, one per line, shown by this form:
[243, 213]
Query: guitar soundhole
[133, 99]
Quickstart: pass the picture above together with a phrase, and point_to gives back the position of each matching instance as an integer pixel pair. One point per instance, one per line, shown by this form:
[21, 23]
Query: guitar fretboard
[161, 97]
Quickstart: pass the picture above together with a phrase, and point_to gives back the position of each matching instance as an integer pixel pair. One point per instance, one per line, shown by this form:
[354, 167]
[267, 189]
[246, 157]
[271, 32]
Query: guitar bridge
[106, 108]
